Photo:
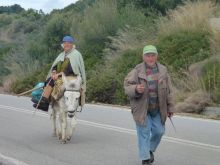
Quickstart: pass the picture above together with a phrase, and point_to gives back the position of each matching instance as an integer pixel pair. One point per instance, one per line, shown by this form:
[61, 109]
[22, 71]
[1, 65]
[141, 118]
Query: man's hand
[170, 114]
[140, 88]
[56, 75]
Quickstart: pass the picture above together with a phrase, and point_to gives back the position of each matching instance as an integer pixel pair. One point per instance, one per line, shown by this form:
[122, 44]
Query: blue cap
[68, 39]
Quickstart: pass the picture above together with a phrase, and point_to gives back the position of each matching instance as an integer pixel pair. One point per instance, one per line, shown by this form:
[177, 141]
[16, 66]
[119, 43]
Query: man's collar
[150, 67]
[68, 52]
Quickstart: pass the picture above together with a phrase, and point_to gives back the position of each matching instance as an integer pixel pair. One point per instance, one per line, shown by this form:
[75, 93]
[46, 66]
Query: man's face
[150, 59]
[67, 46]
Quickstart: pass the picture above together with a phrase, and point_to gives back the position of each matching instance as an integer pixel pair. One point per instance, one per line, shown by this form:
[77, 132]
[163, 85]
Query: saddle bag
[36, 94]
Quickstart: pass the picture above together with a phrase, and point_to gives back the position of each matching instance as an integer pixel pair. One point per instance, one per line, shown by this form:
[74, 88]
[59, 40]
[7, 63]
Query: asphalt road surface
[104, 136]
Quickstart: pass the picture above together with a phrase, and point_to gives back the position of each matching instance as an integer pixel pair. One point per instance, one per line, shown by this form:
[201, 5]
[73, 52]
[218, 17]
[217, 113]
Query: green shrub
[129, 15]
[92, 54]
[191, 16]
[182, 49]
[55, 30]
[211, 79]
[98, 22]
[5, 20]
[36, 51]
[123, 65]
[30, 80]
[106, 83]
[101, 87]
[4, 49]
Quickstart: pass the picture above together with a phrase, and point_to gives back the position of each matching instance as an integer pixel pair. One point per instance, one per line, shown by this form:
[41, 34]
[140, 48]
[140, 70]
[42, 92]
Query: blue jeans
[149, 135]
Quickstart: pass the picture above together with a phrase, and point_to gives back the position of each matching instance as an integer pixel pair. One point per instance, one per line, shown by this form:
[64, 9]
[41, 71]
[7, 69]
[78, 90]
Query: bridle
[71, 90]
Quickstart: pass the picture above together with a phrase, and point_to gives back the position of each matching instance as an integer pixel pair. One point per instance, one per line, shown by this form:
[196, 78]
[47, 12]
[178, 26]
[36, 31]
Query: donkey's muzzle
[71, 114]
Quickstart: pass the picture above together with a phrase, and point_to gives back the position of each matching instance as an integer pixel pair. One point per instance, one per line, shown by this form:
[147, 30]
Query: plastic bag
[36, 94]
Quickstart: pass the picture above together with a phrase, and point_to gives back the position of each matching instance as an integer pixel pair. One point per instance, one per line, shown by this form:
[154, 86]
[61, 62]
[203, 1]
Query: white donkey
[65, 108]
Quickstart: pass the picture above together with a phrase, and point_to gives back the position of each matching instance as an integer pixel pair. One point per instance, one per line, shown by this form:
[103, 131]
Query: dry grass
[127, 39]
[187, 82]
[215, 25]
[192, 94]
[195, 102]
[185, 86]
[98, 19]
[188, 17]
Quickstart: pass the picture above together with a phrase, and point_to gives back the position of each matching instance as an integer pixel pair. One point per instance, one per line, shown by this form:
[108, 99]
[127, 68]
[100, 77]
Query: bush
[182, 49]
[106, 83]
[36, 51]
[130, 15]
[101, 87]
[191, 16]
[4, 49]
[121, 54]
[5, 20]
[92, 28]
[123, 65]
[55, 30]
[98, 22]
[30, 80]
[211, 79]
[92, 54]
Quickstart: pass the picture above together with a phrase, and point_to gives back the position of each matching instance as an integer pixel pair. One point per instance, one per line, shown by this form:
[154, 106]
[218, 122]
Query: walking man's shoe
[151, 157]
[146, 162]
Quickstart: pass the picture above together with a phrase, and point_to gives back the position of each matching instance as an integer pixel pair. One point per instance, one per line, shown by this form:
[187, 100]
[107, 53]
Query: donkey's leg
[68, 137]
[59, 129]
[63, 127]
[71, 124]
[54, 114]
[72, 128]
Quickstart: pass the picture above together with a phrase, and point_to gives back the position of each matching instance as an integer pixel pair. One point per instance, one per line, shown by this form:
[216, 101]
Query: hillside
[110, 34]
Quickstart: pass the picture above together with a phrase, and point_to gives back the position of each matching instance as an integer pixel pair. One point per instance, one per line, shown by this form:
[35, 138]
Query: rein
[71, 90]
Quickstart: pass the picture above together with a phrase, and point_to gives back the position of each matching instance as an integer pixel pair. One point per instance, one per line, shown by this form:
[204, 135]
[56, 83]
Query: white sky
[46, 5]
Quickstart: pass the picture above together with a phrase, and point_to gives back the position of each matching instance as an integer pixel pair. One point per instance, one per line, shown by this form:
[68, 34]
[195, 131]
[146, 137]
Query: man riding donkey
[69, 63]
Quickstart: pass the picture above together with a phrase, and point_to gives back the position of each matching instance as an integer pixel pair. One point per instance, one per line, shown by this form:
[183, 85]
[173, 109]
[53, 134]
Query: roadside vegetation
[110, 34]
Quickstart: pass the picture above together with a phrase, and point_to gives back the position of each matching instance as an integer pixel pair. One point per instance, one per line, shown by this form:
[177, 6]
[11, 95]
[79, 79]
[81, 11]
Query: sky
[46, 5]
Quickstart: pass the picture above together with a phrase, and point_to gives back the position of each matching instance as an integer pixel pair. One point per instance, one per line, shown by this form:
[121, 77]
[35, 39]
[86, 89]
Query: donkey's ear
[79, 78]
[64, 78]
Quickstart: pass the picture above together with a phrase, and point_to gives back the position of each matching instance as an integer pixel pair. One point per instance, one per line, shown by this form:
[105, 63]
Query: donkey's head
[72, 86]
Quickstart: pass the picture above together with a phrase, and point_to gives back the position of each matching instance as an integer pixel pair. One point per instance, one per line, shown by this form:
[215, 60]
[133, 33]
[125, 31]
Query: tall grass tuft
[215, 38]
[190, 16]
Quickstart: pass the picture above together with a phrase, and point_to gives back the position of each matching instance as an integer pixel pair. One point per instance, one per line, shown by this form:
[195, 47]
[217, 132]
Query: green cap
[150, 49]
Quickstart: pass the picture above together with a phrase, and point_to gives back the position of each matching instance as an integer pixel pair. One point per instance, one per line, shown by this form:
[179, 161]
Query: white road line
[122, 130]
[124, 108]
[118, 108]
[9, 160]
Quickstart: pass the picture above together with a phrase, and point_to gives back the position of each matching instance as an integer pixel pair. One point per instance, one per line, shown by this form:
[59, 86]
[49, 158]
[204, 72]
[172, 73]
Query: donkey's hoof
[68, 138]
[63, 141]
[59, 136]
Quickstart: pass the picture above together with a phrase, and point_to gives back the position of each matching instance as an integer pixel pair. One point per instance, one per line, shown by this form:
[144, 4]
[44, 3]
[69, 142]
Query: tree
[11, 9]
[55, 30]
[160, 5]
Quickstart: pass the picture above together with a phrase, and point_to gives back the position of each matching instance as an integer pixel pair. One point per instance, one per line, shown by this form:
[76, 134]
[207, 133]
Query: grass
[188, 17]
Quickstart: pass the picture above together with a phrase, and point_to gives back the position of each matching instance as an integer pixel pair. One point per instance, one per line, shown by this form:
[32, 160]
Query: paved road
[104, 135]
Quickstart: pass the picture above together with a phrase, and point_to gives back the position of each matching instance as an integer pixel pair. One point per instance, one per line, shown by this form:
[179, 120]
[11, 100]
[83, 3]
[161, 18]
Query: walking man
[148, 86]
